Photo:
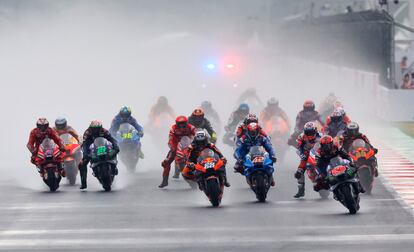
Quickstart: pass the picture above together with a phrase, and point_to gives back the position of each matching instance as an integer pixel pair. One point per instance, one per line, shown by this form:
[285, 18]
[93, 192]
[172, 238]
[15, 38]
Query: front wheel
[52, 181]
[213, 192]
[349, 201]
[260, 187]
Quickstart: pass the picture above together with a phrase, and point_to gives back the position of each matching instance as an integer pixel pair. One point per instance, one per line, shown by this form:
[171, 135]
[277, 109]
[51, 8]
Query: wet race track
[137, 216]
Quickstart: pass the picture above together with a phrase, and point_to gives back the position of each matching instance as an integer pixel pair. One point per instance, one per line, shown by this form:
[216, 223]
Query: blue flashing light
[211, 66]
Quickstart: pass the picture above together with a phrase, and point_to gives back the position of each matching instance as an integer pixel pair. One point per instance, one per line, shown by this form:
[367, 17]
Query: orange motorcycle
[364, 158]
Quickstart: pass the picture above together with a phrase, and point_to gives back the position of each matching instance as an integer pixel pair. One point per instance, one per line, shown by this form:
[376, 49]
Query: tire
[261, 190]
[324, 194]
[213, 192]
[366, 179]
[52, 181]
[106, 179]
[349, 199]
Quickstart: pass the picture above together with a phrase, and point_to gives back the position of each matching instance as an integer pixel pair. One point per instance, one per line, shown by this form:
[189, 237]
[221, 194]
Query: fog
[85, 59]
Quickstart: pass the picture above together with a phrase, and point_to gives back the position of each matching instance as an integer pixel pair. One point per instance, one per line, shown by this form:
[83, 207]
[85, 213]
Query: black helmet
[352, 129]
[326, 143]
[95, 127]
[61, 123]
[309, 105]
[201, 137]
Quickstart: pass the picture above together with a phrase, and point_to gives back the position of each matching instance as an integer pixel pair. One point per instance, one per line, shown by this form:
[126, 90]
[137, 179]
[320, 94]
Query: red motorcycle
[278, 130]
[364, 158]
[209, 172]
[47, 160]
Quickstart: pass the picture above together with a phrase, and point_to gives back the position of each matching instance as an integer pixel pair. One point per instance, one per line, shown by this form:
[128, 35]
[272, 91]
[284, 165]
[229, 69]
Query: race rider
[199, 121]
[62, 127]
[253, 137]
[328, 150]
[180, 129]
[94, 131]
[210, 113]
[308, 114]
[242, 128]
[272, 109]
[37, 135]
[160, 108]
[124, 116]
[336, 123]
[250, 95]
[235, 118]
[200, 143]
[350, 135]
[305, 142]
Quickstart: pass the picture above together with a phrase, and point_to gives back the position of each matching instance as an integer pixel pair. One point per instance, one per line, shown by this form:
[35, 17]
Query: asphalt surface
[137, 216]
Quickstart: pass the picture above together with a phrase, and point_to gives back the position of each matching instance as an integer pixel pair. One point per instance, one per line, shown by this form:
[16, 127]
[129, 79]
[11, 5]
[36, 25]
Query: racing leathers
[301, 119]
[203, 124]
[335, 127]
[68, 130]
[36, 138]
[88, 139]
[175, 136]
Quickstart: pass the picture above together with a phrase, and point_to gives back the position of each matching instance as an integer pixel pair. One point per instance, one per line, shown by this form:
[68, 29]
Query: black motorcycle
[103, 162]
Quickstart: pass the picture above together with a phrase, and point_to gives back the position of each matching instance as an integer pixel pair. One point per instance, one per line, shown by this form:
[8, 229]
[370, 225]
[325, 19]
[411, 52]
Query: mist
[85, 59]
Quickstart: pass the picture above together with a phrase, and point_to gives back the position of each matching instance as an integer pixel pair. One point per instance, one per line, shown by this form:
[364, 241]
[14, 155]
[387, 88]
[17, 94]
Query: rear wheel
[213, 191]
[366, 179]
[261, 190]
[106, 177]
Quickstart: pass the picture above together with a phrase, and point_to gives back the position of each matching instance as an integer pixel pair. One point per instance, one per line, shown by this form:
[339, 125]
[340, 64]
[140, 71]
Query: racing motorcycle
[258, 169]
[364, 158]
[209, 172]
[312, 172]
[130, 146]
[47, 160]
[103, 162]
[278, 131]
[72, 157]
[344, 183]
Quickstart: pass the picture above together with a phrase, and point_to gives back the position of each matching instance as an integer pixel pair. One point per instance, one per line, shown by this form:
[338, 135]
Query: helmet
[308, 105]
[181, 122]
[251, 91]
[253, 130]
[327, 143]
[273, 102]
[352, 129]
[162, 100]
[125, 112]
[337, 115]
[95, 126]
[42, 124]
[206, 105]
[244, 108]
[200, 136]
[198, 112]
[250, 118]
[310, 129]
[61, 123]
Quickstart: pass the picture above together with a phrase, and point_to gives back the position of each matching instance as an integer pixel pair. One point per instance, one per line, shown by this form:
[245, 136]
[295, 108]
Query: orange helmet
[309, 105]
[198, 112]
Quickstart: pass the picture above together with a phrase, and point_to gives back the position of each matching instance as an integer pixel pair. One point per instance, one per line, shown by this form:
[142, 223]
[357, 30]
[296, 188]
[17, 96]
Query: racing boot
[272, 181]
[83, 171]
[176, 172]
[226, 182]
[238, 167]
[115, 170]
[164, 182]
[141, 154]
[301, 192]
[61, 170]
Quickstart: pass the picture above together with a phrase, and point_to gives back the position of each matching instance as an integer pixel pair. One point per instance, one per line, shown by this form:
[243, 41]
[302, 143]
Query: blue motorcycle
[130, 146]
[258, 169]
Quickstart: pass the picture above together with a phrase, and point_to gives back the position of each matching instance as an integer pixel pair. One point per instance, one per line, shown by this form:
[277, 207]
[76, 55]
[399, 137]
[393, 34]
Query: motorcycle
[103, 162]
[258, 170]
[364, 158]
[47, 160]
[344, 183]
[72, 157]
[130, 146]
[312, 172]
[278, 131]
[209, 172]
